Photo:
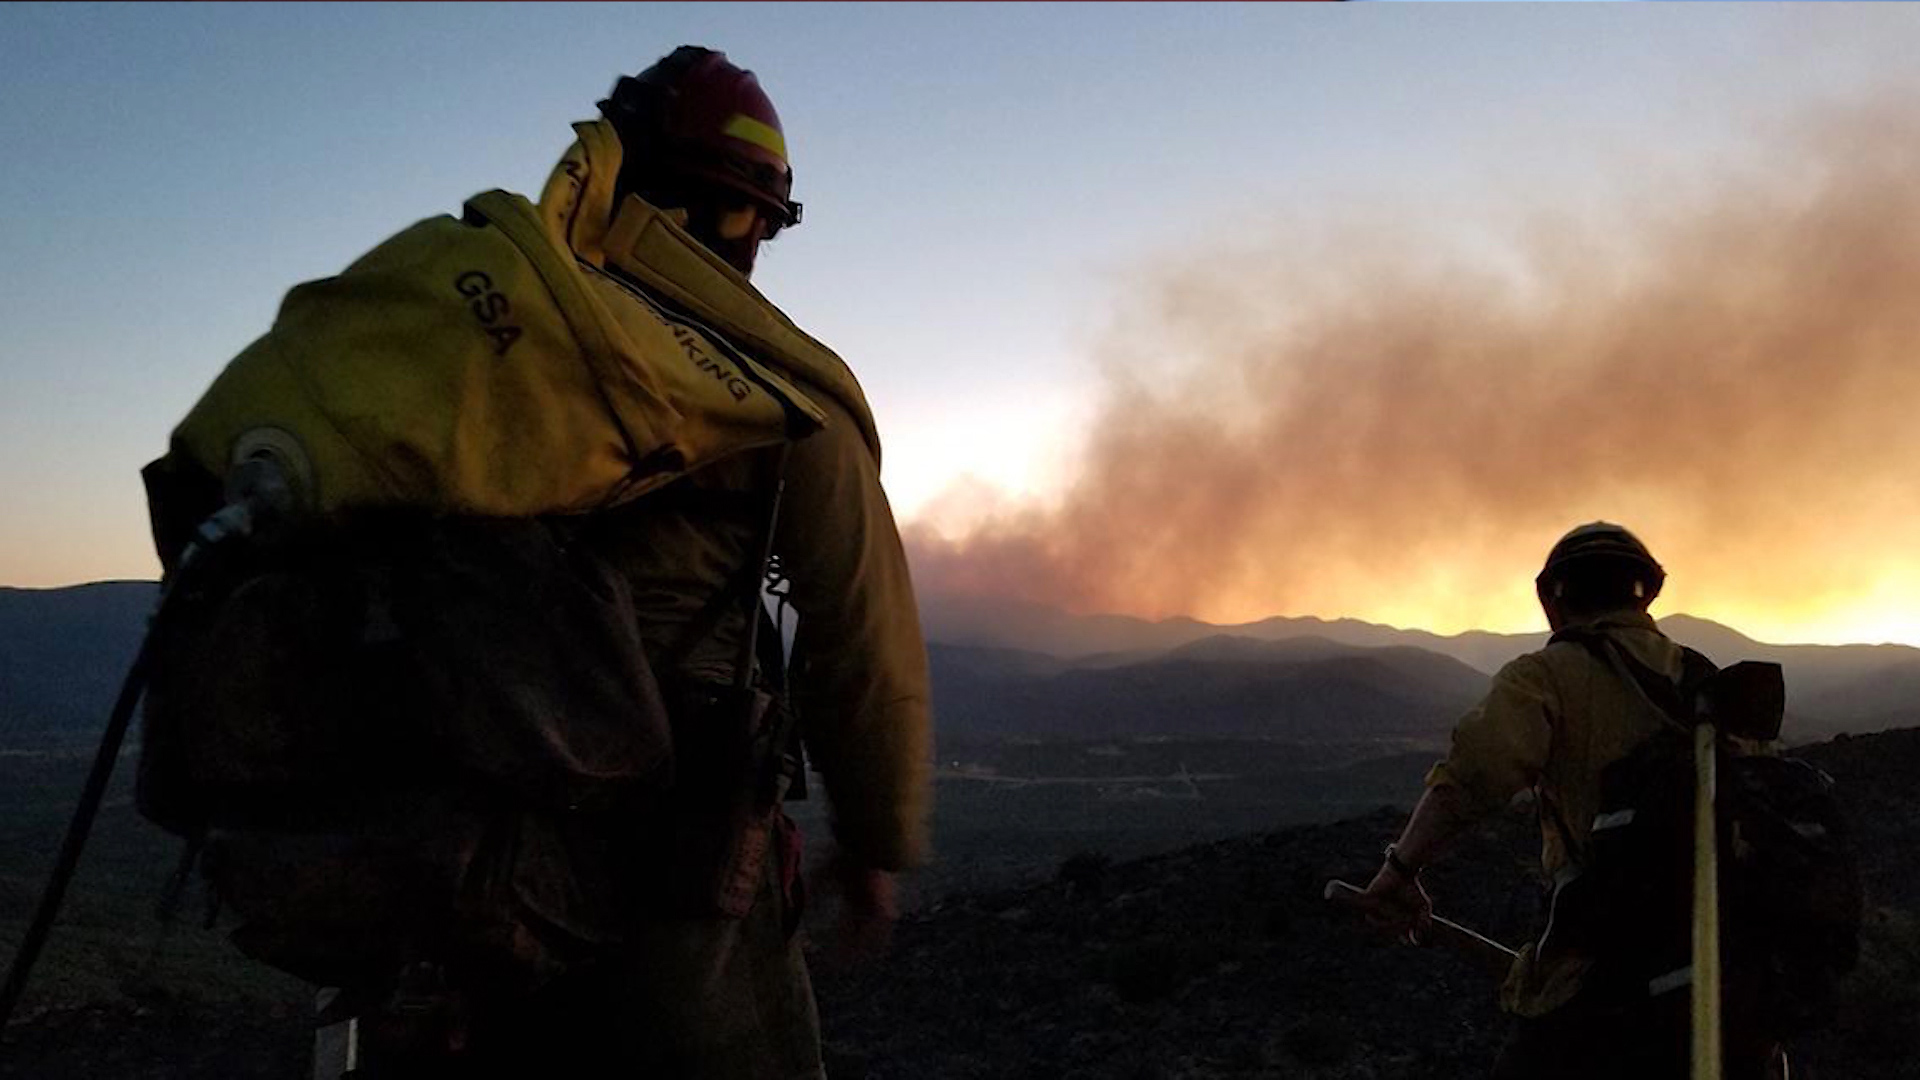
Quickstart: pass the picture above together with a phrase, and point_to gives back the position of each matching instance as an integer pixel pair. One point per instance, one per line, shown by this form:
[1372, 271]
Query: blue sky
[984, 184]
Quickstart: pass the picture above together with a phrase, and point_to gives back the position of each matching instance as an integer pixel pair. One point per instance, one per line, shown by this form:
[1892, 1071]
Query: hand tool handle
[1486, 953]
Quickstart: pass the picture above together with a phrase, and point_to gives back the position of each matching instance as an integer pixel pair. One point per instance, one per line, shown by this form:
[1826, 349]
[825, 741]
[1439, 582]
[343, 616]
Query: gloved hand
[1397, 904]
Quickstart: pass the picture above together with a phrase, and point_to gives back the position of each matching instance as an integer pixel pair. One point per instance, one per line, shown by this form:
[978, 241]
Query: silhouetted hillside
[1302, 690]
[992, 621]
[1830, 688]
[63, 653]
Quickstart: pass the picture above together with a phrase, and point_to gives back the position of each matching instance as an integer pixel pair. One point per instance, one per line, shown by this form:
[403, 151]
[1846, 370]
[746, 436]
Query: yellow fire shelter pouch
[472, 365]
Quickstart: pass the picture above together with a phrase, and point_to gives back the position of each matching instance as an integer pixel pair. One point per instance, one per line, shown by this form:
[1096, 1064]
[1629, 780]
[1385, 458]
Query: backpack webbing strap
[768, 648]
[761, 557]
[746, 581]
[743, 587]
[1672, 699]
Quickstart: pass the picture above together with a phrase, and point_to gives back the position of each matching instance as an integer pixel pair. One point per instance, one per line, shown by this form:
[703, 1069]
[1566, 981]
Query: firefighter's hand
[1397, 905]
[867, 909]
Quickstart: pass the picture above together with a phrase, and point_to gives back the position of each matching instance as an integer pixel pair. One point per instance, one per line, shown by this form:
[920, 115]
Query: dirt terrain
[1214, 961]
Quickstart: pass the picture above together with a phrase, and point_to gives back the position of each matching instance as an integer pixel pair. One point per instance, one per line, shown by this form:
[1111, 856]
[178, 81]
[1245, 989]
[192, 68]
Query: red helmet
[697, 116]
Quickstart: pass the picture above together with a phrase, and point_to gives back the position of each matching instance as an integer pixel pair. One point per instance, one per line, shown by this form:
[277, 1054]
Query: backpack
[409, 727]
[393, 738]
[1789, 880]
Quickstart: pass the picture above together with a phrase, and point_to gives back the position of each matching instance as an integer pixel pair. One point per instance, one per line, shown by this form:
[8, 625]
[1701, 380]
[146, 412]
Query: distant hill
[1831, 689]
[992, 621]
[1300, 690]
[1012, 668]
[63, 653]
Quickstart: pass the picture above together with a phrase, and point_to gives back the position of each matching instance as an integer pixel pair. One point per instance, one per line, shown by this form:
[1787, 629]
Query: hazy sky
[997, 197]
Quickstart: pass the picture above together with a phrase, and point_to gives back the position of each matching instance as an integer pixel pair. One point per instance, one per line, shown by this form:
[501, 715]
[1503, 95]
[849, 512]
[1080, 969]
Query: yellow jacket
[859, 663]
[1552, 720]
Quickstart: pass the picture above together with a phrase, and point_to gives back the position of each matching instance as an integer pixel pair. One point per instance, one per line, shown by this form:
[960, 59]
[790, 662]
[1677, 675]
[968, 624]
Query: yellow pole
[1706, 911]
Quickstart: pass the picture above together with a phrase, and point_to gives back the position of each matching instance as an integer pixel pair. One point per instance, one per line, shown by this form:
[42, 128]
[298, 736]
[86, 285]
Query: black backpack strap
[743, 587]
[759, 560]
[762, 648]
[1673, 699]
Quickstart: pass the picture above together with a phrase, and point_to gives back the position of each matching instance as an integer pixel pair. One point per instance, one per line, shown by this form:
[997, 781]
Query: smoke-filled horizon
[1370, 421]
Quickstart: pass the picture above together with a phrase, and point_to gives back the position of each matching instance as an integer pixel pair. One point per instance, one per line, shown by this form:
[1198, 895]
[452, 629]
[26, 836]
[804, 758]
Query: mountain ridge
[1831, 689]
[64, 650]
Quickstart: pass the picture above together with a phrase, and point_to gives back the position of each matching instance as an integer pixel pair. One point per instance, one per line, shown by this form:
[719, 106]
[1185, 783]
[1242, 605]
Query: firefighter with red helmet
[597, 363]
[694, 141]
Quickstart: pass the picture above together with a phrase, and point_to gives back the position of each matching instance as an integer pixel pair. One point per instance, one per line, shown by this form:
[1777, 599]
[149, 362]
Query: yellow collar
[653, 247]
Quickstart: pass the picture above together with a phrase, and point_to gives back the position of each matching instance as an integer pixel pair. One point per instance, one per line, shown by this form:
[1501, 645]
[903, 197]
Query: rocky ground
[1215, 961]
[1222, 961]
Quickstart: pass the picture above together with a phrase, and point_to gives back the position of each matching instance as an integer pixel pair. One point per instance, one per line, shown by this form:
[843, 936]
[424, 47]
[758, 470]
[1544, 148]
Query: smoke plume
[1379, 422]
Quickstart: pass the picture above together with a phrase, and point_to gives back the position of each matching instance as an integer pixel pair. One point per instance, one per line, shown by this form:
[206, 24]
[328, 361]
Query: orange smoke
[1380, 425]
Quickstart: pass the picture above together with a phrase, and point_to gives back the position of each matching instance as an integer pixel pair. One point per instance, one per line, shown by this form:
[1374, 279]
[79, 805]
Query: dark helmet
[694, 117]
[1600, 548]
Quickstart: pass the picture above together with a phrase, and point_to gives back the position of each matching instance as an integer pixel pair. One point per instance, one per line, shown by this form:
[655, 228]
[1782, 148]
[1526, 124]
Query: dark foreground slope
[1214, 961]
[1221, 961]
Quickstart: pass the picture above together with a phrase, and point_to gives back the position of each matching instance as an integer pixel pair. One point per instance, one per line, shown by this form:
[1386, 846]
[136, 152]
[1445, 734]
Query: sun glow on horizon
[1791, 595]
[1857, 625]
[1871, 621]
